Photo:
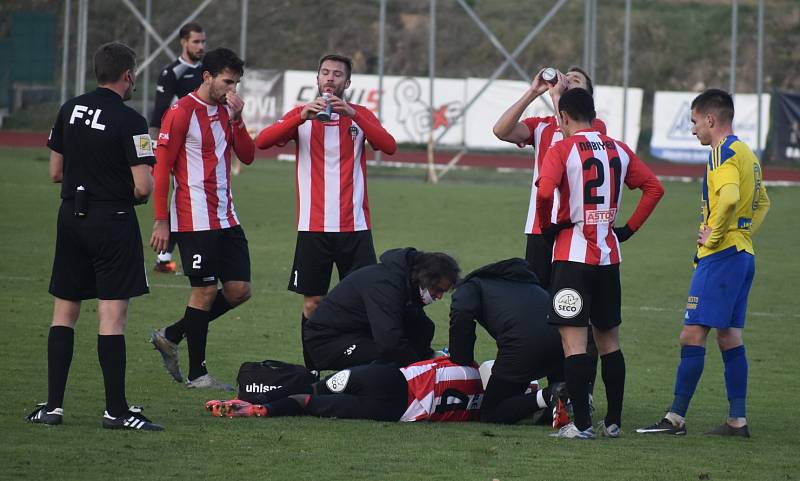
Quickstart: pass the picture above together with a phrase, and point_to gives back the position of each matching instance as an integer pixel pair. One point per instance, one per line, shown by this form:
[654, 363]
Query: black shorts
[584, 293]
[99, 255]
[375, 391]
[316, 252]
[214, 255]
[539, 254]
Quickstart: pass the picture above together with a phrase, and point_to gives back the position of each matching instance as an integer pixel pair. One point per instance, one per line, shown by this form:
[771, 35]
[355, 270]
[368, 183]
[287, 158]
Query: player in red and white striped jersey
[333, 218]
[436, 390]
[194, 149]
[541, 133]
[441, 390]
[589, 169]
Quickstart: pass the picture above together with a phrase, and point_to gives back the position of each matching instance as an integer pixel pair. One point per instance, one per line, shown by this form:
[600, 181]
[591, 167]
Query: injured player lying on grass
[433, 390]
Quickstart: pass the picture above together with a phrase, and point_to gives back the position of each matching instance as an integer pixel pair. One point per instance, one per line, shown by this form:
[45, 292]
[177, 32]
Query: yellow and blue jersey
[732, 162]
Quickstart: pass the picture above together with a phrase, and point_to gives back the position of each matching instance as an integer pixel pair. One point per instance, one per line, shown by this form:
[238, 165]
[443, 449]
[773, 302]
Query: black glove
[552, 231]
[623, 233]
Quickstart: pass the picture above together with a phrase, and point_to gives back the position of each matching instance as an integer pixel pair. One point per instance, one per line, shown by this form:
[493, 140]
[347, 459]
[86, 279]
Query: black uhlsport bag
[265, 381]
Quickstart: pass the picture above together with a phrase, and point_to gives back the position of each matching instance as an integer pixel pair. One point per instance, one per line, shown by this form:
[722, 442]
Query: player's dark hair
[717, 101]
[219, 59]
[348, 64]
[431, 267]
[111, 60]
[186, 31]
[589, 85]
[578, 104]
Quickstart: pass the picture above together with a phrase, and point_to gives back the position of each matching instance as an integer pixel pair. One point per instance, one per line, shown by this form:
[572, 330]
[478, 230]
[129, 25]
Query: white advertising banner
[672, 127]
[268, 94]
[608, 104]
[501, 94]
[405, 104]
[487, 108]
[263, 99]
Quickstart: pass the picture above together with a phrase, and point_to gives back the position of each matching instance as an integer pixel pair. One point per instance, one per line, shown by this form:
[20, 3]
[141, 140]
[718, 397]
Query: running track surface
[472, 159]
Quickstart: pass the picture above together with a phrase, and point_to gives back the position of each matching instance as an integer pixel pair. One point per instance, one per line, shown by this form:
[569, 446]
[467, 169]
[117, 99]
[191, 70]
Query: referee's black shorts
[316, 252]
[584, 293]
[99, 255]
[374, 391]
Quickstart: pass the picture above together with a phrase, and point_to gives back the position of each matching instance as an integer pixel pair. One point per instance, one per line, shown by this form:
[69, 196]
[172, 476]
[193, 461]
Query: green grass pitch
[476, 216]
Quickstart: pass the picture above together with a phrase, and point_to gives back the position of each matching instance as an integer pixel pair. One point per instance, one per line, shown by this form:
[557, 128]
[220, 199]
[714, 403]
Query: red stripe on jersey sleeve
[317, 211]
[639, 176]
[532, 123]
[346, 165]
[374, 132]
[171, 139]
[242, 143]
[281, 132]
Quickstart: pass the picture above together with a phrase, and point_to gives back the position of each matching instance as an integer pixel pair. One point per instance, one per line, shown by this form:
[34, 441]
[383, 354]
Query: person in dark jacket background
[376, 312]
[507, 300]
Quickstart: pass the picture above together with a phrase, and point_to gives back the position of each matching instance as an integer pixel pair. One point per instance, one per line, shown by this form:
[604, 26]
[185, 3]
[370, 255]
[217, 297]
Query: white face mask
[425, 296]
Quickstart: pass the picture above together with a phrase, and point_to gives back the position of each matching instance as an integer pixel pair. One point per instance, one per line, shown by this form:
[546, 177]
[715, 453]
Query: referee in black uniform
[102, 154]
[179, 78]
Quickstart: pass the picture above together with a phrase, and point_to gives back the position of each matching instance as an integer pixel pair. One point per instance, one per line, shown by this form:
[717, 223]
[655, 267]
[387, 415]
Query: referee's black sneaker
[133, 419]
[42, 416]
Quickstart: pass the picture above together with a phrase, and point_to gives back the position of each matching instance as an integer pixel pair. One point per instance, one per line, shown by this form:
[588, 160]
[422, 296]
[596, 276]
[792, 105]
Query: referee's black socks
[196, 325]
[613, 372]
[60, 342]
[111, 353]
[577, 370]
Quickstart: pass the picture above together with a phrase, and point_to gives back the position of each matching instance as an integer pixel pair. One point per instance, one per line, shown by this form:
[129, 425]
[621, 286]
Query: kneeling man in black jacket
[375, 313]
[507, 300]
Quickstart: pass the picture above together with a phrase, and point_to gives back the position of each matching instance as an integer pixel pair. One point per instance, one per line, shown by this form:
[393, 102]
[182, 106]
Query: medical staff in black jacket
[376, 312]
[507, 300]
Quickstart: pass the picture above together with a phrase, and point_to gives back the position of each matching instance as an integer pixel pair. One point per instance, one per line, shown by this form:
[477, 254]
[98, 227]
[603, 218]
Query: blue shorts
[719, 290]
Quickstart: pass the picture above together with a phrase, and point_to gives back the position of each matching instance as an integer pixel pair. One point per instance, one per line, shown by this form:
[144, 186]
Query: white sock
[164, 256]
[540, 399]
[737, 422]
[675, 419]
